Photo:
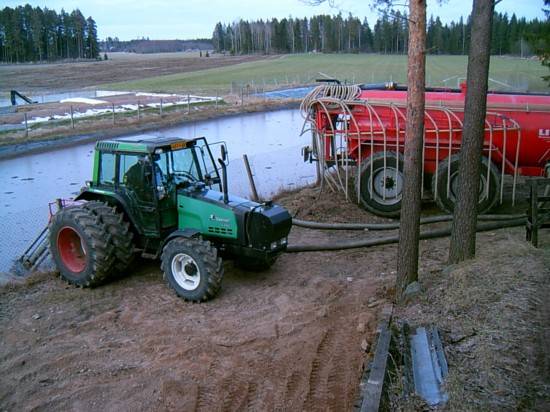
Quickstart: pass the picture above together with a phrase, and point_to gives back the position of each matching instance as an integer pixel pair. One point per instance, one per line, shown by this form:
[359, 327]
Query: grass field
[505, 73]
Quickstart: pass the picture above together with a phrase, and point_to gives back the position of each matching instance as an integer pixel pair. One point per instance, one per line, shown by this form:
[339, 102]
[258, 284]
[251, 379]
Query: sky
[189, 19]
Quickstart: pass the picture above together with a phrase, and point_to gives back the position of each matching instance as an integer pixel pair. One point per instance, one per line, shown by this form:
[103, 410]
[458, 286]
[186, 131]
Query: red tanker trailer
[364, 126]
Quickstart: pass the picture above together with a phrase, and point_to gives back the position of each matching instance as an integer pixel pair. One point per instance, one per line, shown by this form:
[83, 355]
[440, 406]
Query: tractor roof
[144, 144]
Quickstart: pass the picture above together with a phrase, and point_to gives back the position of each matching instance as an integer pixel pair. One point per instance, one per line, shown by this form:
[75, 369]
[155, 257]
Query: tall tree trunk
[407, 255]
[463, 236]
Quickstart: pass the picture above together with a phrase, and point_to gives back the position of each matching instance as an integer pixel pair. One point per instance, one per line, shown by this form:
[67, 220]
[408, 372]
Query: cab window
[107, 169]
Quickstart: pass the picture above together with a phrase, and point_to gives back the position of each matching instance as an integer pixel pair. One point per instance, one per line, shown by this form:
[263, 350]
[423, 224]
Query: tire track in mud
[235, 394]
[292, 388]
[337, 387]
[317, 384]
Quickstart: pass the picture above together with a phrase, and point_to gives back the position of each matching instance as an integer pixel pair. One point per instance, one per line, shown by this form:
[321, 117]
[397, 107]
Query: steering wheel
[186, 174]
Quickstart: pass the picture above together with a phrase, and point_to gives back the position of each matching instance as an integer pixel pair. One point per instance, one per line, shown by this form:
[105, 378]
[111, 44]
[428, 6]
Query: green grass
[520, 74]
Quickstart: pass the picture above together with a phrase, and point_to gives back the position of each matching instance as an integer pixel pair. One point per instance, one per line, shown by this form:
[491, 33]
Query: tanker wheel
[381, 184]
[81, 246]
[119, 229]
[192, 268]
[255, 264]
[446, 199]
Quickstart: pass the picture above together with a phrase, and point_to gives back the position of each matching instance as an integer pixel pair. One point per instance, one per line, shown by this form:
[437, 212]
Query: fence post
[72, 117]
[113, 106]
[250, 178]
[161, 107]
[217, 94]
[139, 111]
[188, 104]
[242, 96]
[26, 125]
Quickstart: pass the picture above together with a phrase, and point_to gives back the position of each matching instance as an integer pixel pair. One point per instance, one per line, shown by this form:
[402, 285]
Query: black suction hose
[394, 225]
[428, 234]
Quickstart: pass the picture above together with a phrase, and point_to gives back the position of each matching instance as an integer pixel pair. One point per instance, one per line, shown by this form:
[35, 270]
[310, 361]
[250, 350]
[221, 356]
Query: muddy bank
[99, 129]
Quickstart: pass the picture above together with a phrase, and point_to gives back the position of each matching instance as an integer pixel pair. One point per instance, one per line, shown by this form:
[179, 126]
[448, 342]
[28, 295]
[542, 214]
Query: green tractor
[164, 197]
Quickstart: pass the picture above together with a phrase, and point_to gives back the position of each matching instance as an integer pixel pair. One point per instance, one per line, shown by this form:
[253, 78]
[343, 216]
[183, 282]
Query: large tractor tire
[119, 229]
[381, 185]
[446, 199]
[192, 268]
[81, 246]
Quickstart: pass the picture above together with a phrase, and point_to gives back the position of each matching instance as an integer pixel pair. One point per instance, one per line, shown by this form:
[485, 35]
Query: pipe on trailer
[429, 234]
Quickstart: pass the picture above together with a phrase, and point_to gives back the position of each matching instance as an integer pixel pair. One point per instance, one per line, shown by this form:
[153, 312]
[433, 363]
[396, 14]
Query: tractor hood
[263, 226]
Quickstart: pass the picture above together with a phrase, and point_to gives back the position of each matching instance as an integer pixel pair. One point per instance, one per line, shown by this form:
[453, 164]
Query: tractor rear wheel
[192, 268]
[381, 185]
[119, 229]
[81, 246]
[445, 194]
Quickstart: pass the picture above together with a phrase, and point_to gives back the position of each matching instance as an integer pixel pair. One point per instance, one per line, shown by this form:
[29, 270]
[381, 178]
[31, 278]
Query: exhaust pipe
[224, 182]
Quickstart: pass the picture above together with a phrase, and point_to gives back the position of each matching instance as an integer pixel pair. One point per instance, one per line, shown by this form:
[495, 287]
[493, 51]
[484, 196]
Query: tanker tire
[447, 203]
[192, 268]
[370, 190]
[81, 246]
[119, 229]
[255, 265]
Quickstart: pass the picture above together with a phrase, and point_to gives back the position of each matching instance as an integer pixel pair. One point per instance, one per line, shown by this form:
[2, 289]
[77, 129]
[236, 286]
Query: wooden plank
[373, 389]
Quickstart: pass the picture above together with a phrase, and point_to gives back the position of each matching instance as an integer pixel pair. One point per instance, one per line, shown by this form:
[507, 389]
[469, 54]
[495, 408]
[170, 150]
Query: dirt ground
[76, 75]
[291, 338]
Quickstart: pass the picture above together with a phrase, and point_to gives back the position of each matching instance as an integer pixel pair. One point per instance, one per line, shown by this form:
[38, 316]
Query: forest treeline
[388, 35]
[30, 34]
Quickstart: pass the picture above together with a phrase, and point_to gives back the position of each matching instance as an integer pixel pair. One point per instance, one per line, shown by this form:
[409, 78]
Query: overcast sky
[187, 19]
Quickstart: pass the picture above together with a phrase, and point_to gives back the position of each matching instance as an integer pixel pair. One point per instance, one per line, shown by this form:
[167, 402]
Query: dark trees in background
[463, 236]
[409, 229]
[34, 34]
[541, 41]
[389, 35]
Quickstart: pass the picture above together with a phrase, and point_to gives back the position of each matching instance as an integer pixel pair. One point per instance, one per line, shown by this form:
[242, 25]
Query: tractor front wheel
[81, 246]
[192, 268]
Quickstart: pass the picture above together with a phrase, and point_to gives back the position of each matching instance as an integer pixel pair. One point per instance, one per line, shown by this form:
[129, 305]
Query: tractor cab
[144, 176]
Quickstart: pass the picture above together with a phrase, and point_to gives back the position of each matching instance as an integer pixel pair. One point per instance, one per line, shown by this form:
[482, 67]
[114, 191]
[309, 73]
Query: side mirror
[224, 153]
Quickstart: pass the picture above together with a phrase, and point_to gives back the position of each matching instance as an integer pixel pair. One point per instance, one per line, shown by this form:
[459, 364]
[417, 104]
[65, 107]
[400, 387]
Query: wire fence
[29, 120]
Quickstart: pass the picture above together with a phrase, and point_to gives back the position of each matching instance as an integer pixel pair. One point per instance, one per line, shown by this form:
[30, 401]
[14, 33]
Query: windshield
[190, 164]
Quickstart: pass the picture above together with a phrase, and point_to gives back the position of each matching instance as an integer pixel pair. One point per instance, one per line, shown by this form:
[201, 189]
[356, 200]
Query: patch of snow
[84, 100]
[108, 93]
[157, 95]
[118, 109]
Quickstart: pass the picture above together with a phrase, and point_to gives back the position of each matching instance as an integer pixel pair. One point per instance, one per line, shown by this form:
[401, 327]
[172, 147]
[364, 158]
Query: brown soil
[493, 315]
[290, 338]
[76, 75]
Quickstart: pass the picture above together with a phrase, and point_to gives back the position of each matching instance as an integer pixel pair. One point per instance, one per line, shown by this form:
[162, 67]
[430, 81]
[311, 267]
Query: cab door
[136, 184]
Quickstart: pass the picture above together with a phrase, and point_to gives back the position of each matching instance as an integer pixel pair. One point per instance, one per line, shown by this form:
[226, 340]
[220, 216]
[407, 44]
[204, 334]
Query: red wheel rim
[71, 249]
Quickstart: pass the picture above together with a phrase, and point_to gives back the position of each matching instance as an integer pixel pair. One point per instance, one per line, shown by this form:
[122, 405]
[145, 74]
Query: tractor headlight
[278, 243]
